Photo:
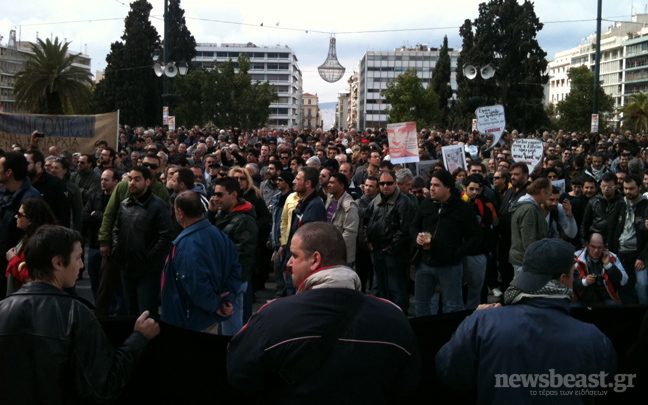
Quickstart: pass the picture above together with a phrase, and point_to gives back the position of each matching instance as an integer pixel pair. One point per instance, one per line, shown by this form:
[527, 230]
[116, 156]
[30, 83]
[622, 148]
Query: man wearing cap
[494, 344]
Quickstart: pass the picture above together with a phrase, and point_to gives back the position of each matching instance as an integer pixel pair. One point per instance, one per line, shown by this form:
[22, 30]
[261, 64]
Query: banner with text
[403, 142]
[528, 151]
[454, 157]
[76, 133]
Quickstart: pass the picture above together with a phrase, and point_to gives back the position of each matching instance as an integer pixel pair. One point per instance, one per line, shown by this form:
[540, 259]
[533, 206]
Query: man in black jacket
[375, 358]
[602, 210]
[52, 188]
[386, 226]
[52, 346]
[141, 240]
[455, 234]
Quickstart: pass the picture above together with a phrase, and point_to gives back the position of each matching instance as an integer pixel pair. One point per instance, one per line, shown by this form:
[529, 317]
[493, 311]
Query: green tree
[441, 79]
[576, 109]
[224, 96]
[410, 101]
[505, 33]
[129, 84]
[182, 45]
[50, 83]
[635, 113]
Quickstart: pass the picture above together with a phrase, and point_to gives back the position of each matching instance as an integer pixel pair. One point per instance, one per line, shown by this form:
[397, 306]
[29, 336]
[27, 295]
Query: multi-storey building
[13, 56]
[342, 111]
[312, 115]
[623, 63]
[352, 118]
[379, 68]
[276, 65]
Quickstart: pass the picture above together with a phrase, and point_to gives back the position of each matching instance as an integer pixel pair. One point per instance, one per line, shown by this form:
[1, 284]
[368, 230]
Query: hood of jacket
[331, 277]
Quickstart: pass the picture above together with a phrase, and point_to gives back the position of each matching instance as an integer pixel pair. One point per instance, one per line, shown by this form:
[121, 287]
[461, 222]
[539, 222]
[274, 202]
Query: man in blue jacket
[495, 350]
[201, 271]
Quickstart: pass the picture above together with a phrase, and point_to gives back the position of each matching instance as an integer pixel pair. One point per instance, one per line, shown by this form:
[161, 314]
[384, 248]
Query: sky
[304, 26]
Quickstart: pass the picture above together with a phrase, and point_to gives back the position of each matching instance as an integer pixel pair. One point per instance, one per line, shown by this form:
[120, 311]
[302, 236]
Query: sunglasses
[386, 183]
[219, 195]
[150, 165]
[239, 178]
[223, 174]
[21, 214]
[284, 158]
[496, 178]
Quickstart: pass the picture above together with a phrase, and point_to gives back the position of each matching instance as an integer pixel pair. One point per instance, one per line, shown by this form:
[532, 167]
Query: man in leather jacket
[141, 240]
[386, 228]
[52, 346]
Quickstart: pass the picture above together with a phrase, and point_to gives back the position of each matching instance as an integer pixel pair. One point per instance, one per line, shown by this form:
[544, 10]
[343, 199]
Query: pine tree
[182, 45]
[130, 85]
[505, 34]
[441, 79]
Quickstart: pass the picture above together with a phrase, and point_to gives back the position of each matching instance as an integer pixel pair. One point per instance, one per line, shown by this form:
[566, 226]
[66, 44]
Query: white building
[623, 64]
[379, 68]
[342, 111]
[276, 65]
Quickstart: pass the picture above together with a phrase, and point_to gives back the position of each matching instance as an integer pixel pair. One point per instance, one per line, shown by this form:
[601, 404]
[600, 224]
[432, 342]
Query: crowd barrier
[188, 367]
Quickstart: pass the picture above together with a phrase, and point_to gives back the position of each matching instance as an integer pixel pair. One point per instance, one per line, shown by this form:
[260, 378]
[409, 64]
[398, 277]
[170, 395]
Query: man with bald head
[600, 275]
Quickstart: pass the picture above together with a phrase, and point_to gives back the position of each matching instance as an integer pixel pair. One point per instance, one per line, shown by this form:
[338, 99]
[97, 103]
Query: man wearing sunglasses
[386, 232]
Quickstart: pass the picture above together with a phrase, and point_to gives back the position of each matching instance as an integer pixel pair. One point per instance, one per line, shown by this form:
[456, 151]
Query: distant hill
[328, 114]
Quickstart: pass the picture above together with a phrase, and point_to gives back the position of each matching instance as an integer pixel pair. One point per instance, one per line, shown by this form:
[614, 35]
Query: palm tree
[635, 113]
[49, 83]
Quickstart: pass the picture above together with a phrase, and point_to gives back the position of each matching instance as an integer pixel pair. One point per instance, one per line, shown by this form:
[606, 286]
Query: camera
[39, 134]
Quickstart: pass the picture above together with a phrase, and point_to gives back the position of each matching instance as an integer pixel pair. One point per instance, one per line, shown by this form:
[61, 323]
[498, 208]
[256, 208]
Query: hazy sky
[303, 25]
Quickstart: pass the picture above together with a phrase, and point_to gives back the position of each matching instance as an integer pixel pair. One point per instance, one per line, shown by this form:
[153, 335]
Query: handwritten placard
[528, 151]
[491, 121]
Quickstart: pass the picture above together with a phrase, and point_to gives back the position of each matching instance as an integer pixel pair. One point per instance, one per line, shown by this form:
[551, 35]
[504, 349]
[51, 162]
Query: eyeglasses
[386, 183]
[607, 186]
[553, 176]
[150, 165]
[21, 214]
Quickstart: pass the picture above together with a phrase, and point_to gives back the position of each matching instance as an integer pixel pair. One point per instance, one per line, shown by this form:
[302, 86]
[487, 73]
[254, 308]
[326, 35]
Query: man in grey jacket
[342, 213]
[528, 223]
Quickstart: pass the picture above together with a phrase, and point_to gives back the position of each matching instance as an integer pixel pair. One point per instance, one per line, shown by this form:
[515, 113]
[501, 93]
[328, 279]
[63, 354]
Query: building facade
[623, 64]
[312, 115]
[276, 65]
[379, 68]
[13, 56]
[342, 111]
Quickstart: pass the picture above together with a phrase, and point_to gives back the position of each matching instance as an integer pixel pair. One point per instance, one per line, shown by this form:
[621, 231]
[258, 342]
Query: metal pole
[165, 79]
[597, 63]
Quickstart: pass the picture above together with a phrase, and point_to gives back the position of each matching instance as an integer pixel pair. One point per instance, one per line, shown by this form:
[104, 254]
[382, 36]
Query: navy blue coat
[203, 263]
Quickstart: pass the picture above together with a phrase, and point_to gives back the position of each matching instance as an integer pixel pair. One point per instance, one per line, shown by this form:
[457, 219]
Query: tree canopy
[635, 113]
[504, 34]
[50, 83]
[441, 79]
[224, 96]
[410, 101]
[576, 109]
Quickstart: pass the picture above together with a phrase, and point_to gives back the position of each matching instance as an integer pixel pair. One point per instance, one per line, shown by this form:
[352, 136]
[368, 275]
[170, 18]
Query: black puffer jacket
[142, 234]
[600, 215]
[386, 223]
[454, 227]
[54, 351]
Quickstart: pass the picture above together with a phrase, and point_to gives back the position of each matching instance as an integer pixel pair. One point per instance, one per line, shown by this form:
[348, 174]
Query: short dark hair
[521, 165]
[190, 203]
[17, 162]
[115, 174]
[389, 172]
[230, 184]
[146, 173]
[538, 185]
[186, 176]
[631, 177]
[152, 155]
[112, 151]
[48, 242]
[324, 238]
[37, 156]
[418, 182]
[342, 178]
[276, 164]
[474, 178]
[445, 178]
[609, 177]
[590, 179]
[311, 174]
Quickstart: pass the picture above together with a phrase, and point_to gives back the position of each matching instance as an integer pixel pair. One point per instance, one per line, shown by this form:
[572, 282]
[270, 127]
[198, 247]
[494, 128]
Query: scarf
[553, 289]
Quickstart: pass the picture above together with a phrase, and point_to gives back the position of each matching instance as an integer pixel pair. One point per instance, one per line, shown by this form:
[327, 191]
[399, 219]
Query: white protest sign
[560, 184]
[528, 151]
[171, 122]
[491, 121]
[454, 157]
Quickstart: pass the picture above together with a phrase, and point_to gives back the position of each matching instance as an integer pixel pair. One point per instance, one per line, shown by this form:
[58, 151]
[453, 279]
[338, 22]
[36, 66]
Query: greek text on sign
[527, 151]
[491, 120]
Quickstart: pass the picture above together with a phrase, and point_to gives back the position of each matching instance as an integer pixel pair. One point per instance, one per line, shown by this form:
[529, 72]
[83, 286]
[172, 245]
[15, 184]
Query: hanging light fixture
[331, 70]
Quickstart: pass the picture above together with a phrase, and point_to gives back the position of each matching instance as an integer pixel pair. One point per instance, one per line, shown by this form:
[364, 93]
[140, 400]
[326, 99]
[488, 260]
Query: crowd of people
[259, 187]
[195, 220]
